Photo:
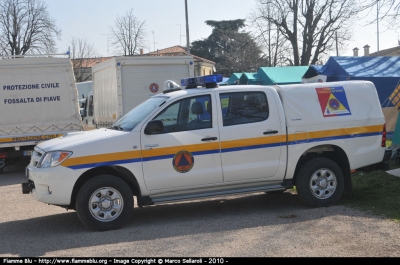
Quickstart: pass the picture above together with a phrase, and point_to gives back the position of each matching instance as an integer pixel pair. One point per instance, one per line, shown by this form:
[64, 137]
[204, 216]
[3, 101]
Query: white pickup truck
[209, 141]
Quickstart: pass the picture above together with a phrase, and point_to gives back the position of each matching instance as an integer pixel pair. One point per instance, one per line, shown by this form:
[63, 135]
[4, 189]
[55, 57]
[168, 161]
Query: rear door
[251, 134]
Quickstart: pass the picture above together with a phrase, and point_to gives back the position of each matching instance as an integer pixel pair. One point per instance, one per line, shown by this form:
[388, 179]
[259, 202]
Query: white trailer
[122, 83]
[38, 101]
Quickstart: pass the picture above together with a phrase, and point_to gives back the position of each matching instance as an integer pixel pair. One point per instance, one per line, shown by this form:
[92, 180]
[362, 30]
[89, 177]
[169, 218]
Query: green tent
[234, 77]
[281, 75]
[396, 134]
[249, 79]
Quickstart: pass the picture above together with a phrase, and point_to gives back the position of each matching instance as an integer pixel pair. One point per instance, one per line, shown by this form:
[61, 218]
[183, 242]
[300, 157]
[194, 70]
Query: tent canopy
[312, 71]
[248, 79]
[281, 75]
[233, 78]
[383, 71]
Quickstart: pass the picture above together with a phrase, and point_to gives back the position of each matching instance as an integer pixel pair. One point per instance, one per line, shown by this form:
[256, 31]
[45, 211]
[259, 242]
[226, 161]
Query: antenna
[108, 43]
[180, 35]
[154, 40]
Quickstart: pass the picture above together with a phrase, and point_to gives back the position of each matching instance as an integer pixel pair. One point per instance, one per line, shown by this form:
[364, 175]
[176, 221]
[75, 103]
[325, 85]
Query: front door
[187, 153]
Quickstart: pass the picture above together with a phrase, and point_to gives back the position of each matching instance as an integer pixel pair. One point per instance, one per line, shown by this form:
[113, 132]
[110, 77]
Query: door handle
[209, 139]
[270, 132]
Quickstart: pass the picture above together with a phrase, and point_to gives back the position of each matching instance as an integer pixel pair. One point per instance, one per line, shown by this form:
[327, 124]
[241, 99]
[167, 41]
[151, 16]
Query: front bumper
[27, 187]
[51, 185]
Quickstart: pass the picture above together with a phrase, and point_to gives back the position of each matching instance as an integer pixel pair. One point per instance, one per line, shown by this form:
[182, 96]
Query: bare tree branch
[389, 11]
[128, 34]
[83, 55]
[26, 27]
[309, 26]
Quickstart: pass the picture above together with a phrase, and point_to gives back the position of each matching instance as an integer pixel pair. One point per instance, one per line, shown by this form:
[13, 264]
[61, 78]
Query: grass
[376, 192]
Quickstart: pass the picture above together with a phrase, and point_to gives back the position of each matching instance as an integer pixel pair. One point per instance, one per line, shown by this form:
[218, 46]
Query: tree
[232, 49]
[310, 27]
[128, 34]
[275, 46]
[83, 55]
[26, 28]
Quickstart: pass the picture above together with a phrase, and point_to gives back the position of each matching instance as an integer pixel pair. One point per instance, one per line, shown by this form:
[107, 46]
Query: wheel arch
[332, 152]
[118, 171]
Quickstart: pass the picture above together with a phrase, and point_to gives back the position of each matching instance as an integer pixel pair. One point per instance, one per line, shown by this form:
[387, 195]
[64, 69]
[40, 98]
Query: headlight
[53, 159]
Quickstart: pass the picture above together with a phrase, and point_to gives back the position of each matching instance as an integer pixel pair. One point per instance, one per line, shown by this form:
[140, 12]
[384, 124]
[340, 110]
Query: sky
[166, 23]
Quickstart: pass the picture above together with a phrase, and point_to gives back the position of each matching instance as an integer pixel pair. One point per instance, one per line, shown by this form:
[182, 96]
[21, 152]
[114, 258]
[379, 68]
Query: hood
[69, 140]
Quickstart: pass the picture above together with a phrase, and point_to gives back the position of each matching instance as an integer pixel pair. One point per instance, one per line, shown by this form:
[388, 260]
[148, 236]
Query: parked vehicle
[215, 141]
[87, 112]
[122, 83]
[38, 101]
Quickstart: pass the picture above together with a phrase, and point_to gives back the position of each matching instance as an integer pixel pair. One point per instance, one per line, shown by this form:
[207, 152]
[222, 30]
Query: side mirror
[154, 127]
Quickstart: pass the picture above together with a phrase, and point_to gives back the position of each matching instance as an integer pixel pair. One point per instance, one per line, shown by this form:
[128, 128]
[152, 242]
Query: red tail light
[3, 155]
[384, 136]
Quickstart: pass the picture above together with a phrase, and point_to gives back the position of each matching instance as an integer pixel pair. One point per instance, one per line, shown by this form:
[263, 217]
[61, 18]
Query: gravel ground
[255, 225]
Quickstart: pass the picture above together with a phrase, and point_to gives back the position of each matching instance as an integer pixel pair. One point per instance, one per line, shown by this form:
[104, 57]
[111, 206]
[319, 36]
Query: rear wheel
[320, 182]
[104, 202]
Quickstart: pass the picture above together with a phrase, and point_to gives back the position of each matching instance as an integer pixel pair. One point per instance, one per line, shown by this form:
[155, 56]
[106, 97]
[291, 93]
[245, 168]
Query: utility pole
[187, 29]
[377, 23]
[337, 46]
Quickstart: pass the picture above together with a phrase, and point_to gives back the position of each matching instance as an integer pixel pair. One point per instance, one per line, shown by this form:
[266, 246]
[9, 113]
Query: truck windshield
[129, 121]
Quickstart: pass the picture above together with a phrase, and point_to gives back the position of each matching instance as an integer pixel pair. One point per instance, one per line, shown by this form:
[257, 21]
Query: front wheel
[320, 182]
[104, 202]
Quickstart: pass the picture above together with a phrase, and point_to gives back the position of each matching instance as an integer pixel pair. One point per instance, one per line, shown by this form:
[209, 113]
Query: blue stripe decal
[226, 150]
[335, 138]
[145, 159]
[208, 152]
[234, 149]
[108, 163]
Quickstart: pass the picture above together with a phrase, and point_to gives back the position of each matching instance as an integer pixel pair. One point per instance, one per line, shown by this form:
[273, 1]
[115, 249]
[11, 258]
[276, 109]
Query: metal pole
[377, 23]
[337, 46]
[187, 29]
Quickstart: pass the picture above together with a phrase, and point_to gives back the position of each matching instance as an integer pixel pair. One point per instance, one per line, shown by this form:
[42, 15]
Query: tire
[320, 182]
[1, 170]
[104, 202]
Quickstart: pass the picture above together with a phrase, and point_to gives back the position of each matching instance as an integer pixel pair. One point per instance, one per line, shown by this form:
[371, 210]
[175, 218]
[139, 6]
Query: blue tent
[312, 71]
[383, 71]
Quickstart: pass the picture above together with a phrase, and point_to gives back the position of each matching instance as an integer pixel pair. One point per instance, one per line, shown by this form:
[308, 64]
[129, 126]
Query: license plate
[27, 153]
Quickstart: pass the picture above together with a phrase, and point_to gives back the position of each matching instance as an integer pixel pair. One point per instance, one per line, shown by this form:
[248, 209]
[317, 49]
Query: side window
[187, 114]
[243, 107]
